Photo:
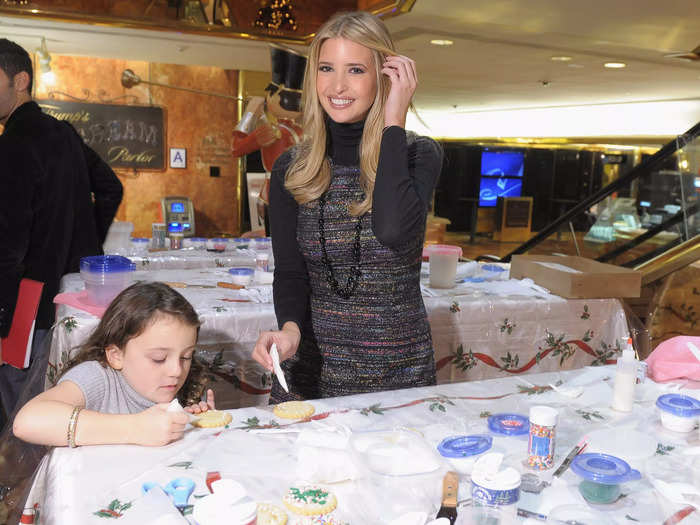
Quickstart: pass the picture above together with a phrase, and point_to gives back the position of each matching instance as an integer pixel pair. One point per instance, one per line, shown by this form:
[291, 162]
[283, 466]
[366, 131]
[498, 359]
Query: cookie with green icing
[309, 500]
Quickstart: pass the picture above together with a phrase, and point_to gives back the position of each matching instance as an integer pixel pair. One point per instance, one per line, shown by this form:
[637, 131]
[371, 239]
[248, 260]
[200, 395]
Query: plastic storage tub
[602, 475]
[218, 244]
[242, 276]
[678, 412]
[139, 246]
[105, 276]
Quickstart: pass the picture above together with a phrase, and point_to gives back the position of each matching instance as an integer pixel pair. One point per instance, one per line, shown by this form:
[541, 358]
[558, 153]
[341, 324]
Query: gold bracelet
[72, 423]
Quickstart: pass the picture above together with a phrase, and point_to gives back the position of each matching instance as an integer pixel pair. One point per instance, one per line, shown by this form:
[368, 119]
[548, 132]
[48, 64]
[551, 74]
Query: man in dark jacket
[48, 180]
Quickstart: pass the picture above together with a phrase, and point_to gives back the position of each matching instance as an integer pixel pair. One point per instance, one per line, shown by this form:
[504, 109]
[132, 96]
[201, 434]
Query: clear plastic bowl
[105, 276]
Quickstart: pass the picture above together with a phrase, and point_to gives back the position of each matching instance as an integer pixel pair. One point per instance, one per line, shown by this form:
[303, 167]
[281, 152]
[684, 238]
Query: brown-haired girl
[118, 387]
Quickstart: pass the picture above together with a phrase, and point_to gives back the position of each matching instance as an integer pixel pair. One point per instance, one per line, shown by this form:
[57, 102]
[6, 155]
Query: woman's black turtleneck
[406, 175]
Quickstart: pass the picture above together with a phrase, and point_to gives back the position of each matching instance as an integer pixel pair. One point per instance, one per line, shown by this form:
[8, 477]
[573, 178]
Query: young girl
[118, 387]
[347, 214]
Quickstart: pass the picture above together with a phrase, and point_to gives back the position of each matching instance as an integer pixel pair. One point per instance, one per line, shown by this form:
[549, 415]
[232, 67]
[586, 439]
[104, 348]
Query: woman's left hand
[203, 406]
[401, 71]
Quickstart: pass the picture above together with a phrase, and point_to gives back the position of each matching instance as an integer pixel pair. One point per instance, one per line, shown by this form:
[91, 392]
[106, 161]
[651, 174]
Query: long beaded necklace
[355, 272]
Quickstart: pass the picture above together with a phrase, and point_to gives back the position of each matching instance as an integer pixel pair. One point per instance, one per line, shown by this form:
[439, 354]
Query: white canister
[493, 486]
[443, 264]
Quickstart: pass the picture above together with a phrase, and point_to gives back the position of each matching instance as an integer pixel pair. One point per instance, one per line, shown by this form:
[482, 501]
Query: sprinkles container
[543, 421]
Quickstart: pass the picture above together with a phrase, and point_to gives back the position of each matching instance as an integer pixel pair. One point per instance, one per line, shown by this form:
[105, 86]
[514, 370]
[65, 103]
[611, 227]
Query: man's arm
[106, 188]
[18, 173]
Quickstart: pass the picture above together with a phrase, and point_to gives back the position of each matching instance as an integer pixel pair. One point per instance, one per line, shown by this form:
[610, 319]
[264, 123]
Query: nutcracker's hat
[278, 61]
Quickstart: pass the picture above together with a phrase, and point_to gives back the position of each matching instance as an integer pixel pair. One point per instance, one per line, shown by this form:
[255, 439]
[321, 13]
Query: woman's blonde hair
[309, 174]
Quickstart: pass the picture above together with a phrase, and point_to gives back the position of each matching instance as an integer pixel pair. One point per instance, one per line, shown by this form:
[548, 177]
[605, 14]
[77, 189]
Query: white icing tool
[175, 406]
[277, 368]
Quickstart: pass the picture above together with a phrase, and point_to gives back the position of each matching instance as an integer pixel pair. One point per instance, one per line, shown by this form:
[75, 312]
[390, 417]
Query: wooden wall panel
[201, 124]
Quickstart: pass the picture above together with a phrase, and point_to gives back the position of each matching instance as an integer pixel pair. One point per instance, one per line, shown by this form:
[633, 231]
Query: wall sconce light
[44, 59]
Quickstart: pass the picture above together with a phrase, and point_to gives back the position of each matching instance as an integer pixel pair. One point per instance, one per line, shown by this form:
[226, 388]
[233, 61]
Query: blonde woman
[347, 217]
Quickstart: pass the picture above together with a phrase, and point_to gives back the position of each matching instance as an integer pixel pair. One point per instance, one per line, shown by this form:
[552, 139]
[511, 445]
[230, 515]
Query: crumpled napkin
[257, 294]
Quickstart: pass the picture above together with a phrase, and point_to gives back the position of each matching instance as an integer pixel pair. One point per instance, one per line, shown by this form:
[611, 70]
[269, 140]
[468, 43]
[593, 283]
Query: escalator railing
[637, 217]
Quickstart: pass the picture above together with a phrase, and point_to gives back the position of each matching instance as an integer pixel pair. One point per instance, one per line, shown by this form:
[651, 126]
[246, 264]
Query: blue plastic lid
[262, 239]
[139, 239]
[241, 271]
[603, 468]
[241, 239]
[106, 264]
[198, 239]
[679, 405]
[509, 424]
[464, 446]
[220, 239]
[492, 268]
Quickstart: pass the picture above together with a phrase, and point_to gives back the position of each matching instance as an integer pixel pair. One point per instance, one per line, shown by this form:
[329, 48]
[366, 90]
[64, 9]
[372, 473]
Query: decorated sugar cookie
[212, 419]
[269, 514]
[309, 500]
[294, 410]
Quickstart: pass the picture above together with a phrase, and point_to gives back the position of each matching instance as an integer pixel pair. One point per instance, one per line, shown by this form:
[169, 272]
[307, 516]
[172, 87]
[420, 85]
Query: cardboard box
[577, 277]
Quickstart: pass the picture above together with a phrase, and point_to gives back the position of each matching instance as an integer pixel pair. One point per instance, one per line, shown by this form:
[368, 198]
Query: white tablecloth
[88, 484]
[486, 327]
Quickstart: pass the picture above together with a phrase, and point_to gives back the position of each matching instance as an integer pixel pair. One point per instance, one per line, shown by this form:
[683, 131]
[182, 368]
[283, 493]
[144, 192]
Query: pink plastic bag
[675, 359]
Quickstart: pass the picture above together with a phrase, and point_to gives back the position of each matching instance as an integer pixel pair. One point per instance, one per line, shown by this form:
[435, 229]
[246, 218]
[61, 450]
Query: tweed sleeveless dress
[377, 339]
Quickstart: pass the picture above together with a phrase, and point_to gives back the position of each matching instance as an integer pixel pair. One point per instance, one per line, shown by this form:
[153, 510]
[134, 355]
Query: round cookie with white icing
[309, 500]
[269, 514]
[294, 410]
[212, 419]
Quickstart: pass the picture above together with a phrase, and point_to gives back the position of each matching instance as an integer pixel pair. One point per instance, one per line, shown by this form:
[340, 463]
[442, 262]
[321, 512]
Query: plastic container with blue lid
[492, 268]
[602, 475]
[678, 412]
[217, 244]
[241, 243]
[196, 243]
[139, 246]
[105, 276]
[463, 451]
[509, 424]
[242, 276]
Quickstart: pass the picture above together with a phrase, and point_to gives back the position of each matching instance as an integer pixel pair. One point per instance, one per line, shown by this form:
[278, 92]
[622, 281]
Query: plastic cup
[678, 412]
[105, 276]
[443, 264]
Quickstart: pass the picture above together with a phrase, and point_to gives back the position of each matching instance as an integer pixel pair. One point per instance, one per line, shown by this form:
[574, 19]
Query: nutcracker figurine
[268, 124]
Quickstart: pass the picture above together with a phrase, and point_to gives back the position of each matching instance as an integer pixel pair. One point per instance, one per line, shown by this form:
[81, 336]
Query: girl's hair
[129, 314]
[309, 175]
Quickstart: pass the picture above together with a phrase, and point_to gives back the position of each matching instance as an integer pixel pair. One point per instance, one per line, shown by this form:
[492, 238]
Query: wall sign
[124, 136]
[178, 157]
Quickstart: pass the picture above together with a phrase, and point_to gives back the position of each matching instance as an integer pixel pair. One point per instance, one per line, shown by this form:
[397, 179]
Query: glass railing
[648, 210]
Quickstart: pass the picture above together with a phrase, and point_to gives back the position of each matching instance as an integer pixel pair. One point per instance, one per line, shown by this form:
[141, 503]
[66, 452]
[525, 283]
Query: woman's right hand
[287, 341]
[155, 426]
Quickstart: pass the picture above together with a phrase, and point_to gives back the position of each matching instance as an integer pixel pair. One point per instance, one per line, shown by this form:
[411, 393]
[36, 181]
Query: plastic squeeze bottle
[625, 380]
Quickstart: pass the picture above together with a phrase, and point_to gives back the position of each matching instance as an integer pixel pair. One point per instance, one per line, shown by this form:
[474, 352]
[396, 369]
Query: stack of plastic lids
[509, 424]
[106, 264]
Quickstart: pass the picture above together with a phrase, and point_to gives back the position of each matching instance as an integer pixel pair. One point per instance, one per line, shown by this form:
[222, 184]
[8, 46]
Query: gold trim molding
[28, 10]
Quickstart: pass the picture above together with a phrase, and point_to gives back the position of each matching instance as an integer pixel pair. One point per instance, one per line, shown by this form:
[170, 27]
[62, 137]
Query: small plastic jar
[242, 276]
[262, 244]
[509, 424]
[443, 264]
[218, 244]
[602, 475]
[463, 451]
[176, 240]
[678, 412]
[139, 246]
[105, 276]
[241, 243]
[195, 243]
